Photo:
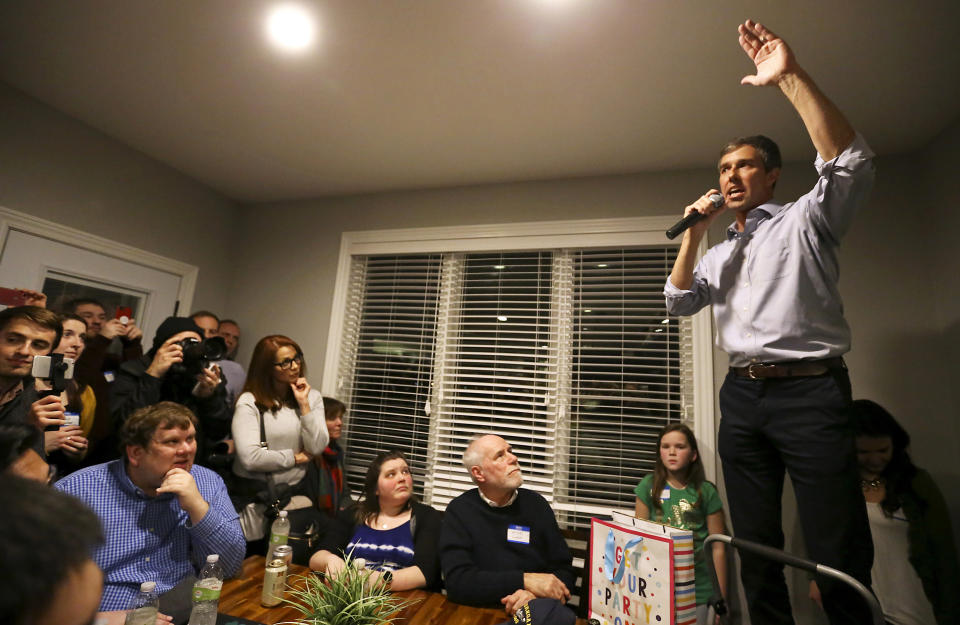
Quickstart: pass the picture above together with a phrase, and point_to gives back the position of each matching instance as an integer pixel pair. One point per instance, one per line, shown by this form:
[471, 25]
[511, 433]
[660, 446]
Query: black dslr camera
[197, 355]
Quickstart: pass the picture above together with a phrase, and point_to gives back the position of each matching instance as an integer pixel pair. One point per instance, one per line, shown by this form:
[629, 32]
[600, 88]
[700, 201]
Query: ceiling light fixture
[290, 27]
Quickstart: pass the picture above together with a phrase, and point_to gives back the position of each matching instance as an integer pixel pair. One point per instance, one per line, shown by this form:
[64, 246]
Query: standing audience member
[772, 285]
[18, 453]
[229, 331]
[163, 514]
[67, 445]
[46, 539]
[278, 404]
[97, 368]
[500, 543]
[233, 374]
[332, 491]
[389, 529]
[915, 569]
[164, 374]
[26, 332]
[678, 494]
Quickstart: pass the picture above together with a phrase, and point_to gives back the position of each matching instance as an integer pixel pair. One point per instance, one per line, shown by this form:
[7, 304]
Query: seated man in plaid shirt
[161, 514]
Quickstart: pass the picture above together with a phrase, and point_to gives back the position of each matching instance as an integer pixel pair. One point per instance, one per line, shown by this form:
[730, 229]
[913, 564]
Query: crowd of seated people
[497, 545]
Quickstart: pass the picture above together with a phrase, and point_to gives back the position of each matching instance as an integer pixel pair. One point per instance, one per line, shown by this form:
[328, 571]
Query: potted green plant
[350, 598]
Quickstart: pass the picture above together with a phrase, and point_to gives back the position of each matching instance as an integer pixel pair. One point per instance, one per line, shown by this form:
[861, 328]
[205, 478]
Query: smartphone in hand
[12, 297]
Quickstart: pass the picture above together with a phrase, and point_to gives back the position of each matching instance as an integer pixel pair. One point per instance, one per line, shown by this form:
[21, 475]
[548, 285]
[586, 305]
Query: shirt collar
[754, 218]
[493, 504]
[10, 394]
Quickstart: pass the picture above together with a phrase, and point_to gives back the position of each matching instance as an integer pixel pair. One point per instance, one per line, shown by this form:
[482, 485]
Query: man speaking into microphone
[772, 285]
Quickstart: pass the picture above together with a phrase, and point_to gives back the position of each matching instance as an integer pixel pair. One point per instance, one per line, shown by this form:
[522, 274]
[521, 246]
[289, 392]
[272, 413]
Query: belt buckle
[750, 373]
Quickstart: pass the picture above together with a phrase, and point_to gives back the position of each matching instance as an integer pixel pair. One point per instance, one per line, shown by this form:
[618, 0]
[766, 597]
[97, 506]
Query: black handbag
[305, 523]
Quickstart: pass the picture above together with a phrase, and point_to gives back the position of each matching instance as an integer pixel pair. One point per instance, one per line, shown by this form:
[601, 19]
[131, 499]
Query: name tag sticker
[70, 418]
[518, 534]
[665, 493]
[109, 376]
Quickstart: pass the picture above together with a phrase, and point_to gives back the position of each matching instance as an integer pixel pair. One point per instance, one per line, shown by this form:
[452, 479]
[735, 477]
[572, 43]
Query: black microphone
[693, 217]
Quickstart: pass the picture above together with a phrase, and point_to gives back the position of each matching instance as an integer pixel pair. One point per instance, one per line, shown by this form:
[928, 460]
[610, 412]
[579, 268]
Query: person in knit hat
[168, 373]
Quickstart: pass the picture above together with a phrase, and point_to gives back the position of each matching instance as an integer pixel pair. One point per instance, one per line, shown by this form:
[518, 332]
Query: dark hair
[34, 314]
[49, 535]
[766, 148]
[15, 440]
[695, 474]
[74, 388]
[205, 313]
[139, 428]
[260, 373]
[333, 407]
[369, 504]
[223, 321]
[870, 419]
[72, 305]
[73, 317]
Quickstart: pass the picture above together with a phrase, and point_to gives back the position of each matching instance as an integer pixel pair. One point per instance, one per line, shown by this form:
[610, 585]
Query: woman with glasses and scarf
[278, 425]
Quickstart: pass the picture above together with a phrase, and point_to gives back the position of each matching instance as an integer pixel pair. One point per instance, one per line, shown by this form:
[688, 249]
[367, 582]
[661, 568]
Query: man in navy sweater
[500, 544]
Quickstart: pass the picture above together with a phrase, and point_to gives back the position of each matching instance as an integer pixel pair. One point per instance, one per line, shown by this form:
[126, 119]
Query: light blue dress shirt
[773, 287]
[151, 538]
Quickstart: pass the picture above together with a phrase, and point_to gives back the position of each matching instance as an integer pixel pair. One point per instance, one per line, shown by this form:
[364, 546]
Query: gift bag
[641, 573]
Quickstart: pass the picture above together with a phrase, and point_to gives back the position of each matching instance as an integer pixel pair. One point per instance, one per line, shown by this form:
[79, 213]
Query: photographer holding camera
[179, 369]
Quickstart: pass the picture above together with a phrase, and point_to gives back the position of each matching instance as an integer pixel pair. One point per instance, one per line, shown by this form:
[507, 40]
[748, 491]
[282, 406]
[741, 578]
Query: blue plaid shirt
[151, 538]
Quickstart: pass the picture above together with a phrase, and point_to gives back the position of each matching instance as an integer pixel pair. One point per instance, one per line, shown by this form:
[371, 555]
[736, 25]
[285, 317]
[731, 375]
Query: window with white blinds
[388, 344]
[567, 353]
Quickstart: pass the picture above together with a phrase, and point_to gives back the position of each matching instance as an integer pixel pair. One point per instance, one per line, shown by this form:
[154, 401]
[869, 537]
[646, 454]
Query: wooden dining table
[240, 597]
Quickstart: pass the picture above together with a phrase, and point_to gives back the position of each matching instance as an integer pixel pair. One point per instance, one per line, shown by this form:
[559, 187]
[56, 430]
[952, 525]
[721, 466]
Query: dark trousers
[798, 425]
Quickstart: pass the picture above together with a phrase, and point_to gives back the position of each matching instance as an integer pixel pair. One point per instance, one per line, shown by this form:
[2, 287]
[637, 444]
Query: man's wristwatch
[387, 578]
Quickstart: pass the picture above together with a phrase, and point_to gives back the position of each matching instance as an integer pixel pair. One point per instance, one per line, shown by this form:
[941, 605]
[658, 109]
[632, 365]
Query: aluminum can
[285, 553]
[274, 583]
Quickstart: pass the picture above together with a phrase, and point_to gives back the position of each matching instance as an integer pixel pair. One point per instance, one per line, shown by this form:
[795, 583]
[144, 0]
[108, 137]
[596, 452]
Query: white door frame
[11, 220]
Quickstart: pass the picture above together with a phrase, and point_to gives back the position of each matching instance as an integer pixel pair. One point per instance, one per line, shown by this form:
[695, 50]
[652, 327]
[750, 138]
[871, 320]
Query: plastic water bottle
[143, 608]
[206, 592]
[279, 531]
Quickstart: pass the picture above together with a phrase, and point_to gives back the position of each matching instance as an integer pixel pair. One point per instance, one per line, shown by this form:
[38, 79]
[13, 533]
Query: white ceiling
[402, 94]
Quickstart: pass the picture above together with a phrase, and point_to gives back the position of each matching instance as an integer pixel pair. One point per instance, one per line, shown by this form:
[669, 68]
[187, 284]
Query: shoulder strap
[263, 431]
[271, 487]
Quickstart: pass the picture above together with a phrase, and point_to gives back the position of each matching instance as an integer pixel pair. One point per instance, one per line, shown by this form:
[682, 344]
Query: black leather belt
[795, 369]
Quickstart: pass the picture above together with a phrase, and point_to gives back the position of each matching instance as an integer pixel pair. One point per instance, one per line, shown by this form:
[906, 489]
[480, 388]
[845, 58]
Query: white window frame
[586, 233]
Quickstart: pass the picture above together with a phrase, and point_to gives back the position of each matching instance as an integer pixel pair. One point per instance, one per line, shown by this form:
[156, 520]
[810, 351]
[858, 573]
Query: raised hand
[47, 411]
[207, 381]
[167, 355]
[181, 483]
[133, 332]
[301, 392]
[113, 328]
[768, 52]
[33, 298]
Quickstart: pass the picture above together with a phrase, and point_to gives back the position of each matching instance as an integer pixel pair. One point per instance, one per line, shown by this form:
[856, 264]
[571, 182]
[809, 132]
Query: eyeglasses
[288, 363]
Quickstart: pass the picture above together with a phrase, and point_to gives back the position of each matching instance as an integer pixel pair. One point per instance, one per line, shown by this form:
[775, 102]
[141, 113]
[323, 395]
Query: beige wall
[55, 168]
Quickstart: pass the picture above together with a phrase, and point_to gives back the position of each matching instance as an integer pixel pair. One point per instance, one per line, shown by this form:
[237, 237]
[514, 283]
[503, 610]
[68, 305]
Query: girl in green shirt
[677, 494]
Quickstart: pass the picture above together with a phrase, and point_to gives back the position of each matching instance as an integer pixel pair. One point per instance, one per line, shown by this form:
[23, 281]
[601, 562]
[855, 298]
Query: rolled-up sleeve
[842, 188]
[687, 301]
